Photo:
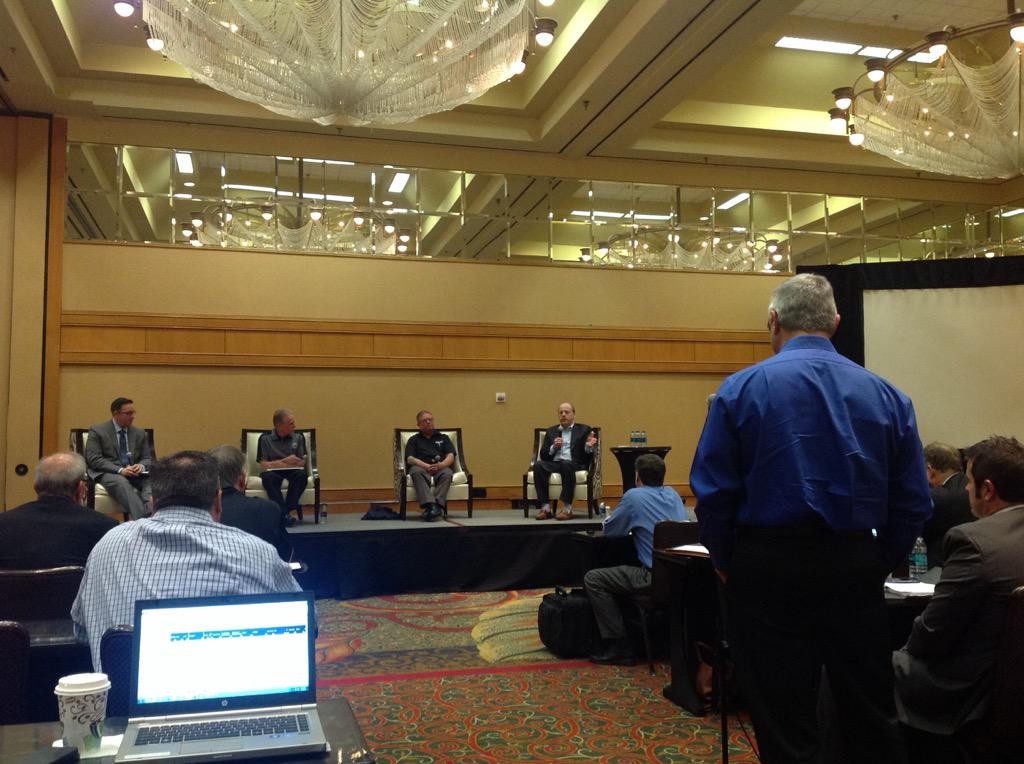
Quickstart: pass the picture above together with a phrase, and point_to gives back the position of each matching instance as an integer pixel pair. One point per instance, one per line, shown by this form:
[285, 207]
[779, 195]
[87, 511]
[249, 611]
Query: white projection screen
[956, 352]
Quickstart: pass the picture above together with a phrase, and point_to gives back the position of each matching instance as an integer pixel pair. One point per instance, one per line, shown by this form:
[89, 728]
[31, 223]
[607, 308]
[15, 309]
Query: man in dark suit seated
[944, 673]
[56, 529]
[281, 454]
[260, 517]
[567, 448]
[119, 458]
[947, 481]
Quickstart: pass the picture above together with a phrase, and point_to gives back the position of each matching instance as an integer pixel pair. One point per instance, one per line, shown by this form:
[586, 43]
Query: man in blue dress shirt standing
[810, 488]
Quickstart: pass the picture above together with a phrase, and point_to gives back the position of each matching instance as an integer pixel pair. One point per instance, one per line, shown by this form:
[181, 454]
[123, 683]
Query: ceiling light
[728, 204]
[1011, 213]
[398, 183]
[838, 120]
[389, 226]
[937, 43]
[544, 31]
[990, 254]
[404, 235]
[820, 46]
[602, 248]
[358, 219]
[189, 184]
[402, 248]
[155, 43]
[267, 213]
[124, 8]
[183, 159]
[195, 243]
[546, 3]
[245, 187]
[876, 69]
[519, 66]
[197, 219]
[186, 231]
[772, 246]
[856, 137]
[1017, 30]
[843, 98]
[873, 51]
[315, 213]
[227, 216]
[585, 256]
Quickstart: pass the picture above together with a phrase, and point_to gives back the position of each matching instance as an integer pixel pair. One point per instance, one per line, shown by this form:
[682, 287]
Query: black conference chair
[116, 659]
[14, 670]
[39, 595]
[668, 533]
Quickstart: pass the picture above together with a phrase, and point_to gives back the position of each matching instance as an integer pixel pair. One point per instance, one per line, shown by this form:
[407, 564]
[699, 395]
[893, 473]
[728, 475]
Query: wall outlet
[499, 397]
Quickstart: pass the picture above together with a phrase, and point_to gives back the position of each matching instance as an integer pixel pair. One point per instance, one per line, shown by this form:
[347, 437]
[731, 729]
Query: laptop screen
[220, 653]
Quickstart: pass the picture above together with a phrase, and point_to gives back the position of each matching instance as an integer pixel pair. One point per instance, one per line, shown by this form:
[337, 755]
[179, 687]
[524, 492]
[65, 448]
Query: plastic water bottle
[918, 559]
[643, 438]
[633, 438]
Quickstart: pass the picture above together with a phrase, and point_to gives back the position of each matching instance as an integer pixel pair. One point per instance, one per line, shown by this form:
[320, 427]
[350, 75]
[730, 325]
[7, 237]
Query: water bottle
[643, 438]
[918, 559]
[632, 438]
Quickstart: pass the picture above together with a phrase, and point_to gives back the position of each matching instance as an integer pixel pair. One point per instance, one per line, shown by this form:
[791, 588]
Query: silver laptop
[223, 678]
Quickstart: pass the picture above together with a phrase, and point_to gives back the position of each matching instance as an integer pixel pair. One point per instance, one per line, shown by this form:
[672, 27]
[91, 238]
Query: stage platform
[496, 549]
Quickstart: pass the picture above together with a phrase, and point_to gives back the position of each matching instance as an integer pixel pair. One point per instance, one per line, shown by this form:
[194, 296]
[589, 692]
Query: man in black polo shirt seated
[430, 454]
[281, 454]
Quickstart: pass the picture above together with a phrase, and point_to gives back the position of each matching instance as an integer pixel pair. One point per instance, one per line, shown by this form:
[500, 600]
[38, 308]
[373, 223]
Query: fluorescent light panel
[398, 183]
[184, 161]
[820, 46]
[728, 204]
[1012, 213]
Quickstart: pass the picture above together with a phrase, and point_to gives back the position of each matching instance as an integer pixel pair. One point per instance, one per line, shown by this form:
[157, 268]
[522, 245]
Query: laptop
[223, 678]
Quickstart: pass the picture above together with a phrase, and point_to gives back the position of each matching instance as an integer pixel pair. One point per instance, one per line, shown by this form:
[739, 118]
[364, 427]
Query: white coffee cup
[82, 702]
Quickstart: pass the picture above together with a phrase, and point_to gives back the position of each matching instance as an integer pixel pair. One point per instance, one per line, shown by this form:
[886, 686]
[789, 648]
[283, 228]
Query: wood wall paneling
[185, 341]
[336, 344]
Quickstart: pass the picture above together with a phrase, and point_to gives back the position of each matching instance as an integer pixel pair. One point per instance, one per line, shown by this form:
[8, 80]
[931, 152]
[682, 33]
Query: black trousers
[297, 480]
[542, 472]
[798, 600]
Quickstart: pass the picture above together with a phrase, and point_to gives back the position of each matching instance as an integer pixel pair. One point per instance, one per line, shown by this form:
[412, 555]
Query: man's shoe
[436, 512]
[564, 514]
[426, 515]
[290, 521]
[614, 652]
[544, 514]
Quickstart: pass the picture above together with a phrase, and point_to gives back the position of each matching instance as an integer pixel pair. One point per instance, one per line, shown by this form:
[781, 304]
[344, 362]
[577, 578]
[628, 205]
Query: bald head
[60, 474]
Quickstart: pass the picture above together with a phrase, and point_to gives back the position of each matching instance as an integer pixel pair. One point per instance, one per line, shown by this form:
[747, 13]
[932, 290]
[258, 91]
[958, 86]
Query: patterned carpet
[464, 678]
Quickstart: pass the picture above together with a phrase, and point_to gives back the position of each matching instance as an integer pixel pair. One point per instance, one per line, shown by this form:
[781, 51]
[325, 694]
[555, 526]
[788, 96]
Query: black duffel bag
[566, 623]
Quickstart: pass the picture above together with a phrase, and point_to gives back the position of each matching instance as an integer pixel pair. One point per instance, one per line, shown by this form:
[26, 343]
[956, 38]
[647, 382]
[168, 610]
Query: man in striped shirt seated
[182, 550]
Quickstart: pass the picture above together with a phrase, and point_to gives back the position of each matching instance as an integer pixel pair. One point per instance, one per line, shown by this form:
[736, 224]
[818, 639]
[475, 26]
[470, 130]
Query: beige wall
[354, 410]
[24, 165]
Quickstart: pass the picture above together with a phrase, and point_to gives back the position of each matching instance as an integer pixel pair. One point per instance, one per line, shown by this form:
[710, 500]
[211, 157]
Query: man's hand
[558, 443]
[433, 469]
[592, 439]
[132, 470]
[293, 460]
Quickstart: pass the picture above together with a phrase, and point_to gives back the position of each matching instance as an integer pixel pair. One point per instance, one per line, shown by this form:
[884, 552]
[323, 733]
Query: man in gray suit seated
[118, 456]
[944, 673]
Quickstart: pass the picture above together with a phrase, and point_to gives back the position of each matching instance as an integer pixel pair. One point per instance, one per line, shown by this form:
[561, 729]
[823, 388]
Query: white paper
[694, 549]
[910, 588]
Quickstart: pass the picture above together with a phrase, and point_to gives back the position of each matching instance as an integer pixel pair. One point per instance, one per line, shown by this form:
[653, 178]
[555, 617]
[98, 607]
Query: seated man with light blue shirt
[567, 448]
[639, 511]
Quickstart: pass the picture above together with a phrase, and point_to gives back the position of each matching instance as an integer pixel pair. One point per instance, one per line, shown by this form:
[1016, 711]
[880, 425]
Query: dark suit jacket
[952, 507]
[102, 454]
[260, 517]
[577, 447]
[49, 532]
[944, 674]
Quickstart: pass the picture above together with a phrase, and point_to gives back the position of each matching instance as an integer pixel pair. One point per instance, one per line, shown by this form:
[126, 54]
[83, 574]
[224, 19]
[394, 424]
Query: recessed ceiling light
[820, 46]
[728, 204]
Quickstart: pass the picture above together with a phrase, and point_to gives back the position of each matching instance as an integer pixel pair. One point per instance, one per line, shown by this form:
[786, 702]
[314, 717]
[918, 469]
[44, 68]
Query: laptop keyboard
[227, 728]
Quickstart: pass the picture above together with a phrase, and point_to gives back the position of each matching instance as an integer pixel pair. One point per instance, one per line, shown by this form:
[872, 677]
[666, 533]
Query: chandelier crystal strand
[354, 61]
[956, 120]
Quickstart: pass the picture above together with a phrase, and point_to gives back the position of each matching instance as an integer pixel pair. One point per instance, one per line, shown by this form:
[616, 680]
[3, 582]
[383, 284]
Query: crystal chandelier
[667, 247]
[355, 61]
[950, 105]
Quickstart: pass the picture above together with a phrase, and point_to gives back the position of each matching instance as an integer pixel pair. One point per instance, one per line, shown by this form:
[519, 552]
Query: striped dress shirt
[178, 552]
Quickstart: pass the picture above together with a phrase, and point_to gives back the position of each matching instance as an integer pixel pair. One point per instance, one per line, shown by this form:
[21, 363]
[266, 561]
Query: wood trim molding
[54, 280]
[164, 340]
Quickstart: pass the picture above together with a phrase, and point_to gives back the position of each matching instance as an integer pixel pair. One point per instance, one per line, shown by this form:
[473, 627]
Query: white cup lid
[80, 684]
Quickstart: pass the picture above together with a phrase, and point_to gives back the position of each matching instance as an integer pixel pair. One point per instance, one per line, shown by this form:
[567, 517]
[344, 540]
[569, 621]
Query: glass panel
[528, 240]
[769, 211]
[696, 206]
[570, 242]
[485, 238]
[149, 171]
[91, 216]
[92, 167]
[732, 212]
[844, 216]
[808, 211]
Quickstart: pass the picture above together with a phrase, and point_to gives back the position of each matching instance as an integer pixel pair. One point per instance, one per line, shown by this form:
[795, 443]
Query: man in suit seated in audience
[183, 550]
[944, 672]
[639, 511]
[252, 514]
[57, 528]
[567, 448]
[947, 481]
[118, 456]
[430, 454]
[281, 454]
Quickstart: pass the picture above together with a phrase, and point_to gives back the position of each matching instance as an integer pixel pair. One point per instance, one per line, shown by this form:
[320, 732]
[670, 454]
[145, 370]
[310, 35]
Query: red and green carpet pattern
[464, 678]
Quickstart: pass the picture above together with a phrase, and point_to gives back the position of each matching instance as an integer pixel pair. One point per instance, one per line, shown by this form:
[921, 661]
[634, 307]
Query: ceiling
[685, 81]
